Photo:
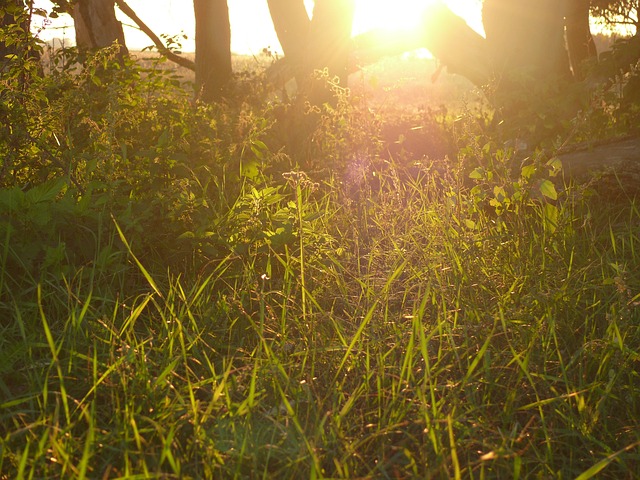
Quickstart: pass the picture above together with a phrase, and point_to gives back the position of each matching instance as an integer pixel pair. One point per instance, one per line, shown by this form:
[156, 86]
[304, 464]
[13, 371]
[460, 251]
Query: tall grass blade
[144, 271]
[602, 464]
[54, 355]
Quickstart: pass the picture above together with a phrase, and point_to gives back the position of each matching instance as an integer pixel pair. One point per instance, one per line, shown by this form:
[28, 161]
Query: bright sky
[251, 28]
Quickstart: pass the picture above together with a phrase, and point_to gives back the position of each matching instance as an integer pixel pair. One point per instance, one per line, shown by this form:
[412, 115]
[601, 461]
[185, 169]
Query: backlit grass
[428, 339]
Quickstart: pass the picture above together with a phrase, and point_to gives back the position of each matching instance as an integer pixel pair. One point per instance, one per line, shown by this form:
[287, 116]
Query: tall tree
[526, 36]
[96, 25]
[291, 23]
[524, 39]
[457, 46]
[580, 44]
[322, 43]
[329, 39]
[213, 48]
[616, 13]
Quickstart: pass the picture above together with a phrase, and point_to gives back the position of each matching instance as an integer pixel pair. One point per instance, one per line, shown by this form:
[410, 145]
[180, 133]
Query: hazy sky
[251, 28]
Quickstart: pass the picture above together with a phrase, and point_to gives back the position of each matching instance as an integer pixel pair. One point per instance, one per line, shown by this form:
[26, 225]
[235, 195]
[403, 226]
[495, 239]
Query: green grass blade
[144, 271]
[602, 464]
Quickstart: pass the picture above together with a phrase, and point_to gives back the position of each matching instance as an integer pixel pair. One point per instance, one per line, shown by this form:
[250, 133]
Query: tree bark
[328, 47]
[96, 26]
[291, 24]
[579, 39]
[213, 48]
[457, 46]
[526, 37]
[322, 43]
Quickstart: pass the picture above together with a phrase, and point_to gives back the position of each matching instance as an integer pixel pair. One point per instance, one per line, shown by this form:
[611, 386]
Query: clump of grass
[437, 339]
[211, 319]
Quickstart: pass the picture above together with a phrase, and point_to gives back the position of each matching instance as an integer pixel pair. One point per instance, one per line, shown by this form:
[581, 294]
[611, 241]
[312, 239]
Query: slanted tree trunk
[322, 43]
[213, 48]
[455, 44]
[96, 26]
[291, 24]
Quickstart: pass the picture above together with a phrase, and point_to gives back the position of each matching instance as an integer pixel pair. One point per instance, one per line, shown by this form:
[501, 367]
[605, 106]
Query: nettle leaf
[528, 171]
[11, 199]
[548, 189]
[46, 192]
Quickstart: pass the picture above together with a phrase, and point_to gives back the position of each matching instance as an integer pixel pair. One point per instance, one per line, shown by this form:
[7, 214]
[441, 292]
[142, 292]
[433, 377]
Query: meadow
[385, 287]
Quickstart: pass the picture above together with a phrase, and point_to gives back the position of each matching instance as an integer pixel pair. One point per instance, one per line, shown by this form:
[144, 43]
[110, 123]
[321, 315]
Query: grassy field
[253, 290]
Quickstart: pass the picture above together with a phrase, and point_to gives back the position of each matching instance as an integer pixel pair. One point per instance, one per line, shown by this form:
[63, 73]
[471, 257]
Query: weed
[172, 305]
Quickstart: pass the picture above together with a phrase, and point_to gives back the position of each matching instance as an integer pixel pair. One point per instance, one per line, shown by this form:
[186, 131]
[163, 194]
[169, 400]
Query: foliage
[617, 12]
[190, 290]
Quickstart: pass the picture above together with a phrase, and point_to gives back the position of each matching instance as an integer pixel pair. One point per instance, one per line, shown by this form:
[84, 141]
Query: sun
[388, 15]
[407, 15]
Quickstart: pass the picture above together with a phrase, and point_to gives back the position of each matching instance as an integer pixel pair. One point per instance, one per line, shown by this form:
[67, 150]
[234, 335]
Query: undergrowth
[185, 296]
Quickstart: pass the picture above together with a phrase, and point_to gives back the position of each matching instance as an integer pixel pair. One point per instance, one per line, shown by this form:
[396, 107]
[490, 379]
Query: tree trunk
[213, 48]
[96, 25]
[291, 24]
[329, 46]
[457, 46]
[322, 43]
[579, 39]
[526, 37]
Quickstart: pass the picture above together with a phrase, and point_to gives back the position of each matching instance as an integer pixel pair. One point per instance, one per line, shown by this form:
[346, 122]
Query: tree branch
[470, 61]
[128, 11]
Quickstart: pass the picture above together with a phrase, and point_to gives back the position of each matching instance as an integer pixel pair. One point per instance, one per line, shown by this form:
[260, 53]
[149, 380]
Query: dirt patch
[613, 166]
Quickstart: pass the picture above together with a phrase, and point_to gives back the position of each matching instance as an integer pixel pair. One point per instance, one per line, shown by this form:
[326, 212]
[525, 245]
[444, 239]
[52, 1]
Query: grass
[184, 309]
[431, 340]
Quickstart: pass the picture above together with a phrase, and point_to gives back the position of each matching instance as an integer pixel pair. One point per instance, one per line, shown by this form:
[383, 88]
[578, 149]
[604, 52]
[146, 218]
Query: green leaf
[470, 224]
[548, 189]
[477, 174]
[551, 217]
[11, 198]
[528, 171]
[144, 271]
[258, 148]
[249, 170]
[555, 166]
[163, 140]
[45, 192]
[310, 217]
[499, 193]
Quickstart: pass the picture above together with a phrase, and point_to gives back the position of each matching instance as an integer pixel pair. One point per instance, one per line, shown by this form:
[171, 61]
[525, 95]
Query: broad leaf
[548, 189]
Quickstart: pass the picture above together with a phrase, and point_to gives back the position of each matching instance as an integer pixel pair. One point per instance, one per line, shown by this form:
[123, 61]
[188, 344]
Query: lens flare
[396, 15]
